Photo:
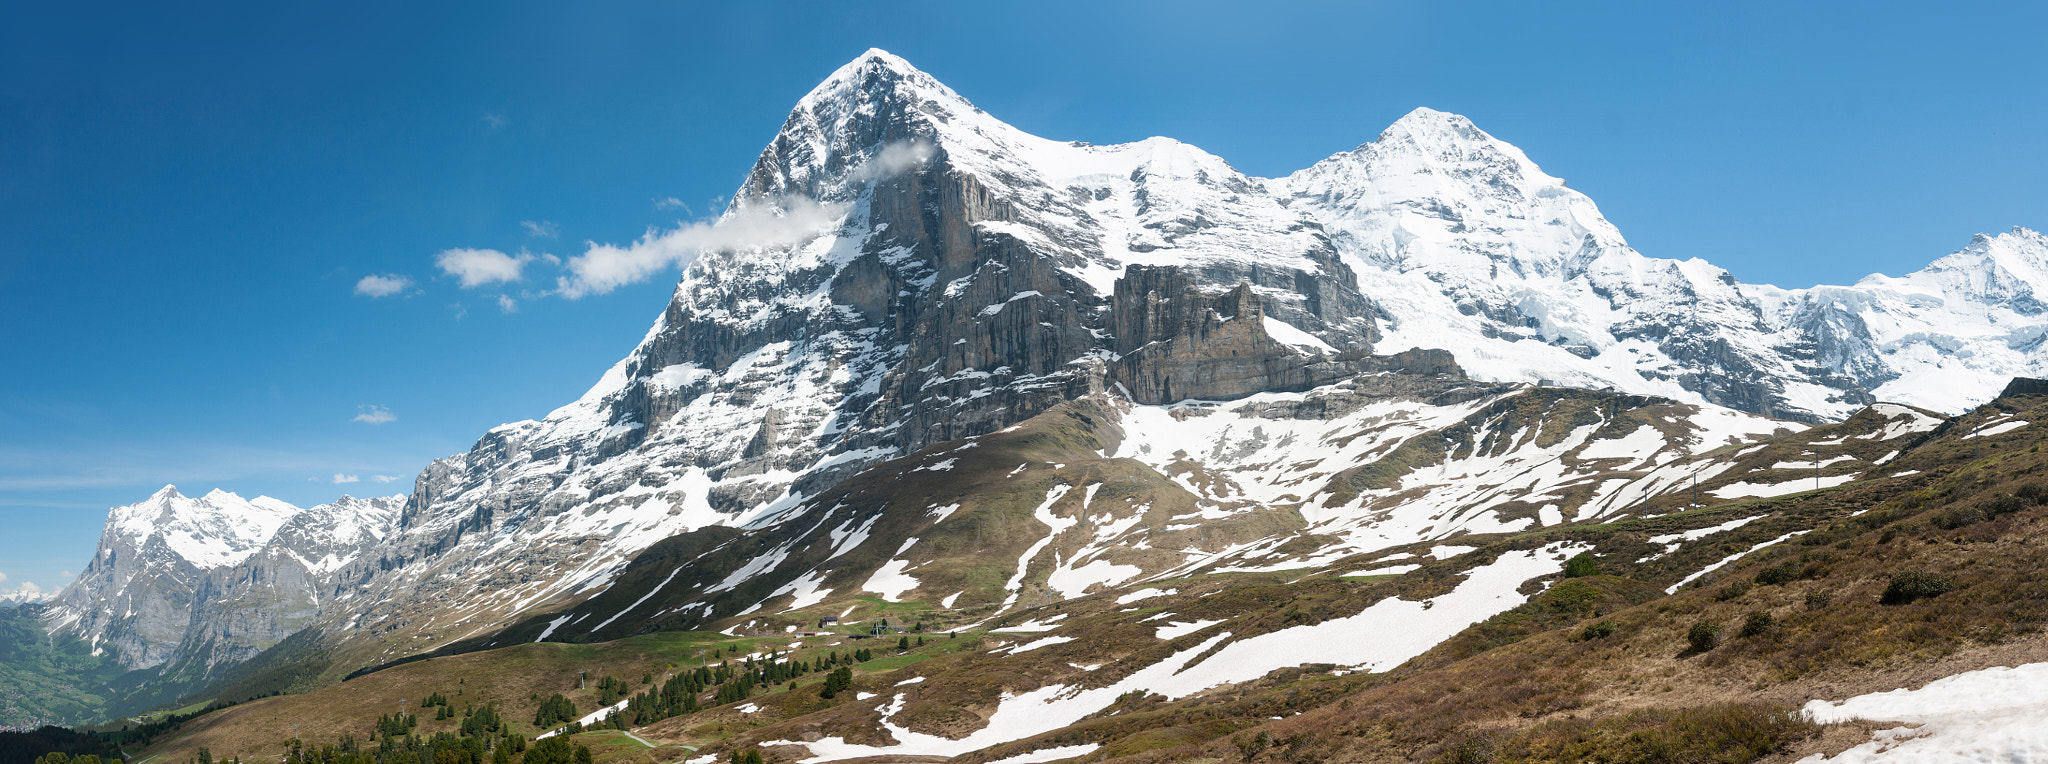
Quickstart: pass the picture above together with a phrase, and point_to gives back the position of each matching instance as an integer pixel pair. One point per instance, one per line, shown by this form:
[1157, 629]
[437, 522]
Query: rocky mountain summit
[188, 587]
[1422, 337]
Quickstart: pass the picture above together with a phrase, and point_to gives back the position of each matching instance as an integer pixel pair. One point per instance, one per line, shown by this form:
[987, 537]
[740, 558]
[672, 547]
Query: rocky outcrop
[1176, 340]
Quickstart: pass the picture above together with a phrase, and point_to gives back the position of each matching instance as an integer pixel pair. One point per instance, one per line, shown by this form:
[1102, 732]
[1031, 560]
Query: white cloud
[386, 285]
[66, 573]
[507, 304]
[373, 414]
[497, 120]
[605, 267]
[477, 267]
[386, 478]
[892, 159]
[3, 578]
[763, 223]
[670, 203]
[545, 229]
[340, 478]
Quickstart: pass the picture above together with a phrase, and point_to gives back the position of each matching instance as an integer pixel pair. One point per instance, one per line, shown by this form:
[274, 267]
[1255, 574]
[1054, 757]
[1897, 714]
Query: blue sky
[189, 199]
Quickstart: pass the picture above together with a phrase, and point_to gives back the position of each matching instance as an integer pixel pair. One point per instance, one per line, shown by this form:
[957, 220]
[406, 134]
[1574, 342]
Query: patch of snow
[1391, 570]
[552, 625]
[1140, 594]
[1176, 629]
[1996, 429]
[890, 581]
[1032, 626]
[1673, 589]
[1286, 334]
[1746, 489]
[1033, 645]
[1448, 551]
[1049, 754]
[1996, 714]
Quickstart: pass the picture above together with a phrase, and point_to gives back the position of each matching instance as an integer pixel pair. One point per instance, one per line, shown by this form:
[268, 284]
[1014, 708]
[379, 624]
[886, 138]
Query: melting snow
[1996, 429]
[1673, 589]
[1140, 594]
[1049, 754]
[1767, 490]
[1995, 714]
[1175, 629]
[890, 581]
[1033, 645]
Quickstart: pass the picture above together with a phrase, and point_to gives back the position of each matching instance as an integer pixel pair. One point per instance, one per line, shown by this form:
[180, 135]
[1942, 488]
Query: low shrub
[1757, 623]
[1703, 636]
[1596, 630]
[1774, 575]
[1732, 591]
[1581, 565]
[1915, 585]
[1818, 600]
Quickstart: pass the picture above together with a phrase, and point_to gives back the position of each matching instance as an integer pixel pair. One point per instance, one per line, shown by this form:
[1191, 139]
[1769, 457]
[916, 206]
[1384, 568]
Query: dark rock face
[1176, 341]
[2025, 386]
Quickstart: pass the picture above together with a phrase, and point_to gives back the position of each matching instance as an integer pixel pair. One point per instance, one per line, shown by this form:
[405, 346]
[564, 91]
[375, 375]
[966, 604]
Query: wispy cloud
[67, 574]
[496, 120]
[341, 478]
[479, 267]
[670, 203]
[386, 285]
[893, 159]
[507, 304]
[605, 267]
[370, 413]
[387, 478]
[545, 229]
[763, 223]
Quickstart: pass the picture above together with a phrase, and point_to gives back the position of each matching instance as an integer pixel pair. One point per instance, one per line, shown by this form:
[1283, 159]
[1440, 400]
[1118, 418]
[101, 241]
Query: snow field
[1991, 715]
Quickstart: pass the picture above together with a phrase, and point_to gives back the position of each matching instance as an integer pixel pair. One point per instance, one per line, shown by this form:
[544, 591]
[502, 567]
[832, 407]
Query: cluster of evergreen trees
[729, 683]
[611, 690]
[555, 710]
[60, 757]
[484, 738]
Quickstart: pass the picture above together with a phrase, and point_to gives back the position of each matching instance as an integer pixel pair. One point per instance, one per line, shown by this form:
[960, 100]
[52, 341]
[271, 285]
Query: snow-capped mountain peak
[217, 530]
